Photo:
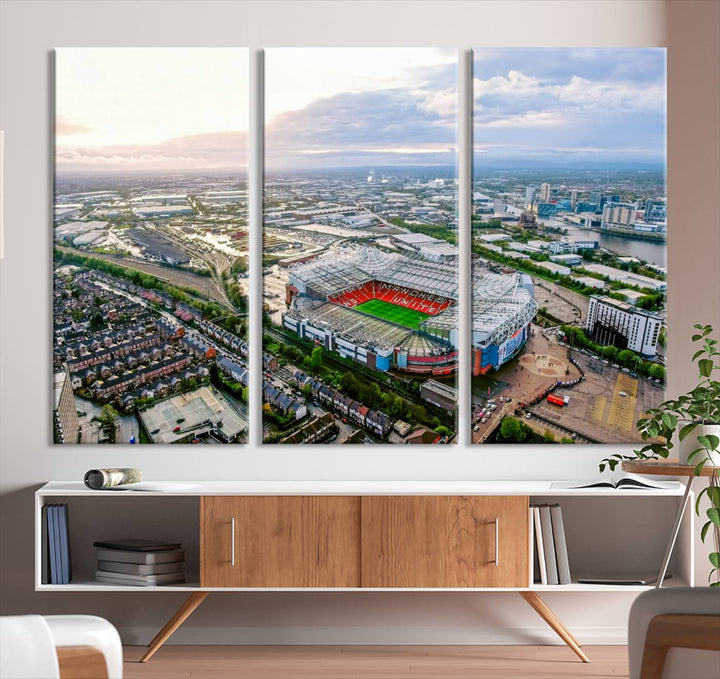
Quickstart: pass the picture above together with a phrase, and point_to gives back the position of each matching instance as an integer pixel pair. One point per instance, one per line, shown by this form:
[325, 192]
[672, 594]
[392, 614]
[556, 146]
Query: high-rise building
[655, 212]
[65, 420]
[610, 198]
[594, 197]
[618, 214]
[573, 198]
[614, 323]
[530, 195]
[544, 192]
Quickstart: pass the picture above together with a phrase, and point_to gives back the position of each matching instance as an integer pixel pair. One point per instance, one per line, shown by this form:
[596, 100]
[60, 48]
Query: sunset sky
[151, 109]
[360, 107]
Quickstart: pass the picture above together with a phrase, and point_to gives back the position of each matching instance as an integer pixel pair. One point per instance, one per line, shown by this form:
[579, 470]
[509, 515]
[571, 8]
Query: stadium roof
[334, 273]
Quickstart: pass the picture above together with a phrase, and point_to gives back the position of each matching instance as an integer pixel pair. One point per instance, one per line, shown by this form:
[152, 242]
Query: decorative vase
[691, 443]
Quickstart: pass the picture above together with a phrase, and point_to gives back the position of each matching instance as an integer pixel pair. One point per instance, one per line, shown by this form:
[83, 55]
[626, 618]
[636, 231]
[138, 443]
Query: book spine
[549, 545]
[45, 563]
[54, 546]
[561, 551]
[64, 545]
[540, 546]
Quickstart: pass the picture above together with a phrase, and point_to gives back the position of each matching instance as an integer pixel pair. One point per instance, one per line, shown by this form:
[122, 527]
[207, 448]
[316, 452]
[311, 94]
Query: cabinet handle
[497, 542]
[232, 542]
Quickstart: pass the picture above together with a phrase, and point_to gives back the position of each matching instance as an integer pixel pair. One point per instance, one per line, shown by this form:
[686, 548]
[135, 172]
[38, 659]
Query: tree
[96, 321]
[626, 357]
[512, 430]
[108, 416]
[316, 359]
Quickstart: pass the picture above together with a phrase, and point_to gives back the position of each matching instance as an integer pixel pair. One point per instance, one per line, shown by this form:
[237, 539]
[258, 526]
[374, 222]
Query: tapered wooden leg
[546, 613]
[181, 615]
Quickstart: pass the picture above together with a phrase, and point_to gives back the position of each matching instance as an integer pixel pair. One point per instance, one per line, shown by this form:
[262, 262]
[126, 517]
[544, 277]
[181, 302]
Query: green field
[408, 318]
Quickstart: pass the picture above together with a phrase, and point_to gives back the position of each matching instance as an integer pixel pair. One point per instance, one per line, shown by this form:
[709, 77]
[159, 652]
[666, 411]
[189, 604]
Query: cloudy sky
[569, 105]
[151, 109]
[360, 107]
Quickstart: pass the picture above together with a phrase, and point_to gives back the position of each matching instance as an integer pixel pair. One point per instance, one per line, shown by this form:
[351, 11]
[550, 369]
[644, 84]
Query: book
[549, 545]
[142, 580]
[540, 547]
[45, 558]
[624, 482]
[622, 579]
[55, 545]
[137, 545]
[126, 556]
[561, 551]
[139, 568]
[64, 532]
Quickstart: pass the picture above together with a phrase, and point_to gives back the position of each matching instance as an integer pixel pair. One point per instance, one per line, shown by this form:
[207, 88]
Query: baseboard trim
[376, 636]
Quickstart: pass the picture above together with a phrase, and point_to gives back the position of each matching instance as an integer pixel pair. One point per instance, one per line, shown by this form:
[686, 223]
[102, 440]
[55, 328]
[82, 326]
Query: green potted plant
[696, 412]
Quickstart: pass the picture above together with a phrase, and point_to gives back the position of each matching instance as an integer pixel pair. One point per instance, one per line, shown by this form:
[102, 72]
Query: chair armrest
[677, 631]
[81, 662]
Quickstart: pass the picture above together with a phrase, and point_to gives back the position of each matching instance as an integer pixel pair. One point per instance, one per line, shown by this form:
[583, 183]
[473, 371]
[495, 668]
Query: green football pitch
[408, 318]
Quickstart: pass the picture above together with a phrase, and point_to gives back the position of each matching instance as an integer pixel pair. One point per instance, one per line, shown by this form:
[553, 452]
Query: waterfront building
[611, 322]
[544, 192]
[618, 215]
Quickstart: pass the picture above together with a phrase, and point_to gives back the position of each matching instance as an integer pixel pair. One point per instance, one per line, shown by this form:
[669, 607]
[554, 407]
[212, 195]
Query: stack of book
[56, 565]
[143, 563]
[552, 565]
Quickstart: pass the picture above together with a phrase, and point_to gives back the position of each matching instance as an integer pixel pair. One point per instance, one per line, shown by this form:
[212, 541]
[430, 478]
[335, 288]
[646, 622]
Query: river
[654, 252]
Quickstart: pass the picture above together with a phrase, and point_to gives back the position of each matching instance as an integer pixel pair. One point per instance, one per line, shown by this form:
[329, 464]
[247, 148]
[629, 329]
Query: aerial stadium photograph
[150, 245]
[569, 226]
[360, 251]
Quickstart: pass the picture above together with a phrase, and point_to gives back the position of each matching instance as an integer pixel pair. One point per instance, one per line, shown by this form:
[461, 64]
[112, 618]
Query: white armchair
[674, 633]
[59, 647]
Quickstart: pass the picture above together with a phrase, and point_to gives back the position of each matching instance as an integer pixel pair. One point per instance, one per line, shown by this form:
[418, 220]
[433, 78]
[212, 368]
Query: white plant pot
[690, 443]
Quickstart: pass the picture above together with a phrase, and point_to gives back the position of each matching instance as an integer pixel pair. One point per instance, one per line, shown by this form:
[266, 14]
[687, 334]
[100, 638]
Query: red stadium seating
[394, 294]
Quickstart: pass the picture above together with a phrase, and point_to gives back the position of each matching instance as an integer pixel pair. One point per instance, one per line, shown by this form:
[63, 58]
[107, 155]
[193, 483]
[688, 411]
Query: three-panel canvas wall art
[361, 282]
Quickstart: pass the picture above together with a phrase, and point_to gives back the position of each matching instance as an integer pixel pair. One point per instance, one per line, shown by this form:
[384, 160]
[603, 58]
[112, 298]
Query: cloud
[576, 102]
[202, 151]
[392, 126]
[67, 127]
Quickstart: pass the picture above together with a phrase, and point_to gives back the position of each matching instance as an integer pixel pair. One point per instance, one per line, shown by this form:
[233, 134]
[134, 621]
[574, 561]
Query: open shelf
[608, 532]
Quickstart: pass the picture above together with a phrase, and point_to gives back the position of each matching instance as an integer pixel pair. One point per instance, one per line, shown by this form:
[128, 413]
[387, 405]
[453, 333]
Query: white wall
[29, 30]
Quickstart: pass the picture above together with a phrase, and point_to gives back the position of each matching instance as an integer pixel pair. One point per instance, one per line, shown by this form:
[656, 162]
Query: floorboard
[375, 662]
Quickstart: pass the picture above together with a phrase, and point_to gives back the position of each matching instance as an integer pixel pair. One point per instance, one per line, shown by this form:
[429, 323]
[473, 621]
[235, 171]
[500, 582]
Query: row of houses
[315, 431]
[225, 337]
[164, 387]
[283, 402]
[104, 390]
[233, 370]
[378, 423]
[87, 374]
[139, 350]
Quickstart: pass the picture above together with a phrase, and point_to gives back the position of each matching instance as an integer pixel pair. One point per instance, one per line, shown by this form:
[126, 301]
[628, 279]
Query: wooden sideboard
[354, 536]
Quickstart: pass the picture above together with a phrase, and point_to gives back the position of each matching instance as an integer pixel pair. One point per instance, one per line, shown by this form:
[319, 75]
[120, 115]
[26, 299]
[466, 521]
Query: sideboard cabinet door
[445, 541]
[289, 541]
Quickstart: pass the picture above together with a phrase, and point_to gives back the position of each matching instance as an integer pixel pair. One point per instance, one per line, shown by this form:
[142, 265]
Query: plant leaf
[704, 530]
[715, 559]
[705, 366]
[714, 516]
[687, 429]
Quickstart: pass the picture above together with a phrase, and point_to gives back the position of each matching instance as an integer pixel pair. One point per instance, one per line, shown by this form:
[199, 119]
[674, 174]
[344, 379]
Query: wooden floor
[375, 662]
